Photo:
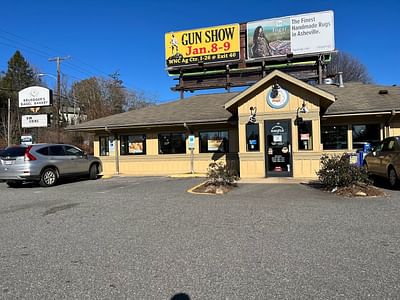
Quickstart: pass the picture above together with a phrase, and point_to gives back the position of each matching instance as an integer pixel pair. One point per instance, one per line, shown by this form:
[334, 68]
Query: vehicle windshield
[13, 151]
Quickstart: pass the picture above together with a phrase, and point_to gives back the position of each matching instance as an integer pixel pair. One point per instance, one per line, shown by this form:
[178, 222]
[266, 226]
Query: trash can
[366, 148]
[360, 158]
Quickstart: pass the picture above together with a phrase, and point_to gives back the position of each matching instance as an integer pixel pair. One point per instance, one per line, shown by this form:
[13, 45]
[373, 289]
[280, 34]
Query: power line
[44, 54]
[51, 49]
[68, 65]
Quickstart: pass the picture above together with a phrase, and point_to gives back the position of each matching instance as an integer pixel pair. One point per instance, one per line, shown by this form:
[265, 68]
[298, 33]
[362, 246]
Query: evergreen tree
[18, 76]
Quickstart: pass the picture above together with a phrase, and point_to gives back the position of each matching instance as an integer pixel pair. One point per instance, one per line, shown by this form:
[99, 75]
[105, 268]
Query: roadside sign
[35, 96]
[26, 140]
[29, 121]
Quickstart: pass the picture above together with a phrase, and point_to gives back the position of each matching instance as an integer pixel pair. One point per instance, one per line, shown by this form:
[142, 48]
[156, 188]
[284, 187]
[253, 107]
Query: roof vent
[383, 92]
[341, 84]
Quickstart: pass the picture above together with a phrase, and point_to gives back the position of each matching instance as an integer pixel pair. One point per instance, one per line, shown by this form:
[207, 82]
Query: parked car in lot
[384, 160]
[46, 163]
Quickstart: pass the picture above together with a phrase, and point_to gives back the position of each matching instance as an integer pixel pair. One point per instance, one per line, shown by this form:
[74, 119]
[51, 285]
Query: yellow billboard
[205, 45]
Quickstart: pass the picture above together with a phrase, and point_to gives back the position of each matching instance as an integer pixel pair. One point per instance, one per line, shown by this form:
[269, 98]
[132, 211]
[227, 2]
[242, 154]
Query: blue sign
[191, 141]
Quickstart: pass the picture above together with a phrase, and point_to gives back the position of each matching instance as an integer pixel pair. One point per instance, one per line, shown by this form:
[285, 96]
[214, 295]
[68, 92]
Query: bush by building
[336, 172]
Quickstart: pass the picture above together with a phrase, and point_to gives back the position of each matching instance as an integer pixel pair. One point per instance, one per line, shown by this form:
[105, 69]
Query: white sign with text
[35, 96]
[29, 121]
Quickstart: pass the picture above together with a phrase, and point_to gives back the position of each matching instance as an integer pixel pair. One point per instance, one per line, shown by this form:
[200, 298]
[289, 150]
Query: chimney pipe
[341, 79]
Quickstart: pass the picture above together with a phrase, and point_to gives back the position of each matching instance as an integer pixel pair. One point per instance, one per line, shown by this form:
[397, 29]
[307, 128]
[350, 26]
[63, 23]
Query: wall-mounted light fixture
[303, 109]
[253, 112]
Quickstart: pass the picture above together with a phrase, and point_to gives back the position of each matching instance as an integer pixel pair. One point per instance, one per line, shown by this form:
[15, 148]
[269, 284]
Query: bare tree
[100, 97]
[352, 68]
[138, 99]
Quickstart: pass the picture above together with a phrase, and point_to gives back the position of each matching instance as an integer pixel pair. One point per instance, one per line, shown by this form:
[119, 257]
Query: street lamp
[45, 74]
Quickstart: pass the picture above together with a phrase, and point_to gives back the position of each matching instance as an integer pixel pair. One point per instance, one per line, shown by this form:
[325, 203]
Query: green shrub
[219, 175]
[336, 171]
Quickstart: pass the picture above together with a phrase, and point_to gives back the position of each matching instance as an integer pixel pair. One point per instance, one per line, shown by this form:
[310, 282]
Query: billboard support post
[228, 79]
[320, 70]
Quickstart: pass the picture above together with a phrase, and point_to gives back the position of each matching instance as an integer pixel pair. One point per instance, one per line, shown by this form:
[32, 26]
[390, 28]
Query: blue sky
[128, 36]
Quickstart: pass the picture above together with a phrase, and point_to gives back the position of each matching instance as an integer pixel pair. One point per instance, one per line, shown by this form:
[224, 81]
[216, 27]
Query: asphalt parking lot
[146, 238]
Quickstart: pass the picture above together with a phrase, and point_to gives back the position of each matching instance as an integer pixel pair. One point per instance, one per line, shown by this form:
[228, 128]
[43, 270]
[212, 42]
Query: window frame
[375, 142]
[144, 142]
[171, 134]
[107, 144]
[225, 142]
[257, 148]
[346, 127]
[310, 140]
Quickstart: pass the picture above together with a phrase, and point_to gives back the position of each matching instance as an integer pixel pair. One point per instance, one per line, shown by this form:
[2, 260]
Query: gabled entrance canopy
[237, 100]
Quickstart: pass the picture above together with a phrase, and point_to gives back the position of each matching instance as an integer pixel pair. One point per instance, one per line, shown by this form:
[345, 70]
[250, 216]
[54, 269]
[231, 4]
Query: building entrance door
[278, 148]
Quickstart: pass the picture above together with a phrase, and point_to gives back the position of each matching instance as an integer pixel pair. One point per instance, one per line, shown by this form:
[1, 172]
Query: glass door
[278, 148]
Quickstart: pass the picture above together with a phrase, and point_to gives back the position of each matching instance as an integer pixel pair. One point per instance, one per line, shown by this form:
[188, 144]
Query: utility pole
[9, 123]
[58, 103]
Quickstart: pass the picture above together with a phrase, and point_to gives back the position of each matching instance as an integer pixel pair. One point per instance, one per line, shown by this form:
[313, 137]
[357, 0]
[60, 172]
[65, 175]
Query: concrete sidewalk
[265, 180]
[275, 180]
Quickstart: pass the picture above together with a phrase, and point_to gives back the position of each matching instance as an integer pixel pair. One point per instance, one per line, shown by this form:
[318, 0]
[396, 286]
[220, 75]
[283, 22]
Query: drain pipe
[116, 149]
[392, 115]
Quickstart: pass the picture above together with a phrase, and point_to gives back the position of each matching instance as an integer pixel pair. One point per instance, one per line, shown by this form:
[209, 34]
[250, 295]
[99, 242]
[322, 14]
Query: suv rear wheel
[48, 178]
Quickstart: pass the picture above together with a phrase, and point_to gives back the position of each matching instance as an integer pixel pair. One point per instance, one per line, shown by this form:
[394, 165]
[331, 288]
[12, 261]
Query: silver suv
[46, 163]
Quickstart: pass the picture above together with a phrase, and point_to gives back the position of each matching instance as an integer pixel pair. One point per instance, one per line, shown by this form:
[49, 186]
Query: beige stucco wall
[153, 163]
[305, 162]
[251, 164]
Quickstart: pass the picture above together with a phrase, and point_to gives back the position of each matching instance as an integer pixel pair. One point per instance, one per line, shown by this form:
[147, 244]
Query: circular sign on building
[277, 97]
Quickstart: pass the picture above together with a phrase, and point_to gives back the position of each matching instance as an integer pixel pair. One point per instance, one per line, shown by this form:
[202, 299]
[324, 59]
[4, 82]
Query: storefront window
[252, 137]
[305, 135]
[104, 150]
[334, 137]
[171, 143]
[214, 141]
[133, 144]
[366, 134]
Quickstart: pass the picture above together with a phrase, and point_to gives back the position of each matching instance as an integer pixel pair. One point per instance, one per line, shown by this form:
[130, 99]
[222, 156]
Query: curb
[187, 176]
[198, 193]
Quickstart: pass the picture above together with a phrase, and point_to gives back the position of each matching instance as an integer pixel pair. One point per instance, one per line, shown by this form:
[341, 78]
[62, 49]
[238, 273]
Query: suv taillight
[28, 156]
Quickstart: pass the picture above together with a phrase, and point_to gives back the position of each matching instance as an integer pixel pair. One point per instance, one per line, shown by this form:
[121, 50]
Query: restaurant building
[279, 126]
